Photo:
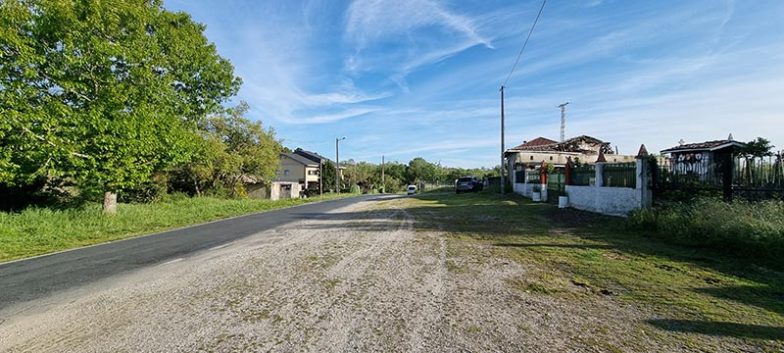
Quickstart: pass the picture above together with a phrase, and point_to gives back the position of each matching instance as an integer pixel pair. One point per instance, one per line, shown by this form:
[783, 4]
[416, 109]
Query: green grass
[752, 229]
[583, 257]
[36, 231]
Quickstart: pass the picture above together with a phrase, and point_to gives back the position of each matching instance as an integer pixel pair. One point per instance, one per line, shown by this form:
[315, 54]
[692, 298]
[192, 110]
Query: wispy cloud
[420, 77]
[377, 28]
[377, 20]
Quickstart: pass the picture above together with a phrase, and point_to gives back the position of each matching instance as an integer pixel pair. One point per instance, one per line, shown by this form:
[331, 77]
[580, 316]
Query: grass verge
[37, 231]
[755, 230]
[691, 295]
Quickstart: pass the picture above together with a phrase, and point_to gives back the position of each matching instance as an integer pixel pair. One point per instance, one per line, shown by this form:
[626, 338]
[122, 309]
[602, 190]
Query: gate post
[726, 175]
[599, 173]
[543, 180]
[643, 178]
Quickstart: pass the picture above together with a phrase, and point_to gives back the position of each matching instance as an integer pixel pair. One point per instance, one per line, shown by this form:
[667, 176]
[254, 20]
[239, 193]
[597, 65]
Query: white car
[412, 189]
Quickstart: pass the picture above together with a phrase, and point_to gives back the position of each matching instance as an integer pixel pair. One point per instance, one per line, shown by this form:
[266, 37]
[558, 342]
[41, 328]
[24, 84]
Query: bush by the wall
[754, 230]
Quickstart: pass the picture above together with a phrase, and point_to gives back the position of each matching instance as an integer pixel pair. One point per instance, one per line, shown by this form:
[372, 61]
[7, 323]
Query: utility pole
[337, 163]
[321, 176]
[563, 121]
[503, 185]
[383, 185]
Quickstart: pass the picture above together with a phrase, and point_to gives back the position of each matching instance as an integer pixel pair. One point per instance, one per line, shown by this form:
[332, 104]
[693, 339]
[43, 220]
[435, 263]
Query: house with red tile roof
[581, 149]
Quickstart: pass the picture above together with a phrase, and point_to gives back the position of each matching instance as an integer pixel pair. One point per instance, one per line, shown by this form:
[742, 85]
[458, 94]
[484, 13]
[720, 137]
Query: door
[285, 191]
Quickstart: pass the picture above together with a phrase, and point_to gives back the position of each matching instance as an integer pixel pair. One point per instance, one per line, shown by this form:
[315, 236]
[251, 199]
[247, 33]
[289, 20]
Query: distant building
[295, 168]
[702, 159]
[582, 149]
[304, 168]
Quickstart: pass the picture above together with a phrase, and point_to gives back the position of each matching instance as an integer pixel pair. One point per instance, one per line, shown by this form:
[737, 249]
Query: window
[532, 157]
[551, 158]
[286, 172]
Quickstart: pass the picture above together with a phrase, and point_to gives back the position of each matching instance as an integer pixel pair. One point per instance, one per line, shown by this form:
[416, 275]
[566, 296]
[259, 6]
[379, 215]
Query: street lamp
[337, 163]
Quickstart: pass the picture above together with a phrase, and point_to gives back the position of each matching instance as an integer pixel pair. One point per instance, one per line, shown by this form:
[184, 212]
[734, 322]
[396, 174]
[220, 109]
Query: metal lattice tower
[563, 121]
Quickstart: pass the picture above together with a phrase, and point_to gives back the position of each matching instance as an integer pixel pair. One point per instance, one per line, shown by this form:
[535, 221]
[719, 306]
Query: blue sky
[408, 78]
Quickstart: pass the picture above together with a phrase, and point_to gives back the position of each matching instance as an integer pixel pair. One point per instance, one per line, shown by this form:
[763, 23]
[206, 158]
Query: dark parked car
[468, 184]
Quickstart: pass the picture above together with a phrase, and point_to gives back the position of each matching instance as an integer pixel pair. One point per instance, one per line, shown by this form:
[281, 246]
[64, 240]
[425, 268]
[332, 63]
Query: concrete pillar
[510, 170]
[640, 171]
[599, 176]
[643, 182]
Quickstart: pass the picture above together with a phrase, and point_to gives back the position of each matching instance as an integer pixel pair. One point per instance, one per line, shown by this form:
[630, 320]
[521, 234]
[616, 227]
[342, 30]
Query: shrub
[750, 229]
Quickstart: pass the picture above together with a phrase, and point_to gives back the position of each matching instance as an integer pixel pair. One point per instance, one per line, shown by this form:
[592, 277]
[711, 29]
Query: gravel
[361, 279]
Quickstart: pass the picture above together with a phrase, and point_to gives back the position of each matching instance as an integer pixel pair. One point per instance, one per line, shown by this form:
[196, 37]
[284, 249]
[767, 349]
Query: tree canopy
[233, 148]
[103, 93]
[757, 148]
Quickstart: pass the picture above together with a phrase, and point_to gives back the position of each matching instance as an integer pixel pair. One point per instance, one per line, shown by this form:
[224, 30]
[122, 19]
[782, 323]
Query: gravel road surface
[360, 278]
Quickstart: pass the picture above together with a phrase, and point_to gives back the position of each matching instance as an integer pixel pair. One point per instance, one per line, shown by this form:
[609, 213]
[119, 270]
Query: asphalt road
[39, 277]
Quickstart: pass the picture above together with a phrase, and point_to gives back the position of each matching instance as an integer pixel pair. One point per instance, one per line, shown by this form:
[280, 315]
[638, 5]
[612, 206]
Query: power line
[520, 54]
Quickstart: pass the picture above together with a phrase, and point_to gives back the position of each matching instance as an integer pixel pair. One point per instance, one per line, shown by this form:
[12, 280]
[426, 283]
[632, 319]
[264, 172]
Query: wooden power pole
[503, 185]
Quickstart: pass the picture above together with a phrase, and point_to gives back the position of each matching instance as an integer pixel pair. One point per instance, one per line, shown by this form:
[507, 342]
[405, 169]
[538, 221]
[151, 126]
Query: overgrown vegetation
[36, 231]
[682, 295]
[754, 230]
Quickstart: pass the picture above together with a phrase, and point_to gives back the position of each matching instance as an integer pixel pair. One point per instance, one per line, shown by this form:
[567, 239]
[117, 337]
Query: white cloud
[374, 20]
[329, 118]
[386, 23]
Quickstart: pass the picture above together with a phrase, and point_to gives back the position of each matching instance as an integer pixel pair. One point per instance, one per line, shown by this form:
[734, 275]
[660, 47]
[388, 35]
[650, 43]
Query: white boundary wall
[614, 201]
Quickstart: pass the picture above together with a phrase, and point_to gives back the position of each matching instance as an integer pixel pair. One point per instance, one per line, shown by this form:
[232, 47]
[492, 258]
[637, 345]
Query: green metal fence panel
[520, 176]
[620, 175]
[584, 174]
[532, 176]
[556, 182]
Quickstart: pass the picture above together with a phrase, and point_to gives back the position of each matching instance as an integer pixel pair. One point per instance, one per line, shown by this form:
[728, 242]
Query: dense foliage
[755, 230]
[108, 96]
[233, 150]
[397, 176]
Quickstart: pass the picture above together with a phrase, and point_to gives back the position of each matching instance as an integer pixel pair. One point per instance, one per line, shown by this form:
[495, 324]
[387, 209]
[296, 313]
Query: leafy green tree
[419, 171]
[233, 148]
[328, 179]
[104, 93]
[364, 174]
[757, 148]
